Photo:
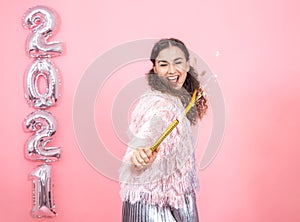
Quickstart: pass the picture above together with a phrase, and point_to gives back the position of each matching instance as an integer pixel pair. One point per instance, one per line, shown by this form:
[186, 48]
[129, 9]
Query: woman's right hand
[142, 157]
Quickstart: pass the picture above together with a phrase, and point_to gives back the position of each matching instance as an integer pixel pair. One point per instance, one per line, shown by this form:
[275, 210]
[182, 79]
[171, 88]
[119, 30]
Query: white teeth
[172, 78]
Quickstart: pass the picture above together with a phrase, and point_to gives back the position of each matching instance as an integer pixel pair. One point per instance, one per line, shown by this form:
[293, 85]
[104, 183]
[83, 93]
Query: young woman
[160, 186]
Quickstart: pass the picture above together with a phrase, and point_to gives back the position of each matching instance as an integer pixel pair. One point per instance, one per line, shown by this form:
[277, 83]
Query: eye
[163, 64]
[178, 62]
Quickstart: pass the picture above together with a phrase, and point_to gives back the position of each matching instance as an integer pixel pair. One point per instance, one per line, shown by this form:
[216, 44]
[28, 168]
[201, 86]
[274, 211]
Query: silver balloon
[42, 21]
[44, 126]
[46, 69]
[43, 200]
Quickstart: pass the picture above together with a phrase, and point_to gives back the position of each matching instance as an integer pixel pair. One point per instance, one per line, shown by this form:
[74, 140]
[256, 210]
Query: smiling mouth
[173, 79]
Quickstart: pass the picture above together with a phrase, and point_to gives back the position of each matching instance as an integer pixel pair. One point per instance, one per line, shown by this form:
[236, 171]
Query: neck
[162, 85]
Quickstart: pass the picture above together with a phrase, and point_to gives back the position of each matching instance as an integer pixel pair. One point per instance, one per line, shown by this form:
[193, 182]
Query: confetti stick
[173, 124]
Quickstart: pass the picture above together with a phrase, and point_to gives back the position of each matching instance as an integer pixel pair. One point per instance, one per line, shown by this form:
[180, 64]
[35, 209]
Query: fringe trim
[161, 194]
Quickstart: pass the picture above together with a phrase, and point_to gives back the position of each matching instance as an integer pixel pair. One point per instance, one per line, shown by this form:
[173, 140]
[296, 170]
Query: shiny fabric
[143, 212]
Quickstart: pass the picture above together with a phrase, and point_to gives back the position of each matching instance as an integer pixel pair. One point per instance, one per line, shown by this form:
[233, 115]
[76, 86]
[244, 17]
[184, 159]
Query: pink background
[255, 176]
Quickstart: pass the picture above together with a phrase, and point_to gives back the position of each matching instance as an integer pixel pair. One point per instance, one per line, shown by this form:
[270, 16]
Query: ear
[188, 66]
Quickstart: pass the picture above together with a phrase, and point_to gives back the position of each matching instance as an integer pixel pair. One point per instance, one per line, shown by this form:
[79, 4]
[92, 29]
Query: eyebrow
[179, 58]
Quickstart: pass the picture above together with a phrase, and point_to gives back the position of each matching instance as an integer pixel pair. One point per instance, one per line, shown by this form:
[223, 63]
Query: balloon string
[173, 124]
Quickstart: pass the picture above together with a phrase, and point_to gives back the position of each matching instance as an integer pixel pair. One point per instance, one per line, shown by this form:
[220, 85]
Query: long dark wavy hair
[191, 83]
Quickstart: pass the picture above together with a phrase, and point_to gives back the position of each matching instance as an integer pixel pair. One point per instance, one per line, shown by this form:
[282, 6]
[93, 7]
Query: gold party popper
[173, 124]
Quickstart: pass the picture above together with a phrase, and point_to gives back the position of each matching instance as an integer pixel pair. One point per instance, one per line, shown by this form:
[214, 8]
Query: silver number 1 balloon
[43, 201]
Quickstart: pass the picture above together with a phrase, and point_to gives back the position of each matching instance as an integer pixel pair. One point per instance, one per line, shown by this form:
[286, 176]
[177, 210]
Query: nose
[172, 68]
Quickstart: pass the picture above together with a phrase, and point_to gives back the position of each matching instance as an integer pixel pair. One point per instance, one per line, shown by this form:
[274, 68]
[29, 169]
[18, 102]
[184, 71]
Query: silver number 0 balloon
[41, 68]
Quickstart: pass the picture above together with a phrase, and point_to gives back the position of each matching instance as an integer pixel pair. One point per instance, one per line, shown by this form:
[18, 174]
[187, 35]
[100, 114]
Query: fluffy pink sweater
[173, 173]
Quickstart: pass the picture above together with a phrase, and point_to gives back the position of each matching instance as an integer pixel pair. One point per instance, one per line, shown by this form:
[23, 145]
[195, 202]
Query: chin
[177, 87]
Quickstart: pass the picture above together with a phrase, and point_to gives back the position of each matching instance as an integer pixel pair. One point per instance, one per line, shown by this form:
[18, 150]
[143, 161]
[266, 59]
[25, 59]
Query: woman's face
[171, 65]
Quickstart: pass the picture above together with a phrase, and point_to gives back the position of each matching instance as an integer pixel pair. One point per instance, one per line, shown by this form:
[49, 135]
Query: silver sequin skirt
[142, 212]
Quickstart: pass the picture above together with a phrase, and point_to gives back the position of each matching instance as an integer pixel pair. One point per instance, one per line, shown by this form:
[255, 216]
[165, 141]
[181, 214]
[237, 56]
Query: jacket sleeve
[150, 118]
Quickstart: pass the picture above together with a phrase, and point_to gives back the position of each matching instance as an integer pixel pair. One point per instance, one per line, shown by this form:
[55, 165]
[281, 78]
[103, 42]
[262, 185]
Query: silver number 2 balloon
[44, 126]
[42, 21]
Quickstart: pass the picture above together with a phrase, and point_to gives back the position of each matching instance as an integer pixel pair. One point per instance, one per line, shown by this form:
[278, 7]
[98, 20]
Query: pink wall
[255, 176]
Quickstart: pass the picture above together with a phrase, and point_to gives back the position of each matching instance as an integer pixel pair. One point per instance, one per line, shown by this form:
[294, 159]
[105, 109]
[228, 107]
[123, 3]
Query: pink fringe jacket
[173, 173]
